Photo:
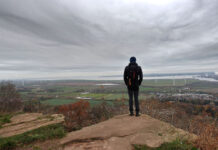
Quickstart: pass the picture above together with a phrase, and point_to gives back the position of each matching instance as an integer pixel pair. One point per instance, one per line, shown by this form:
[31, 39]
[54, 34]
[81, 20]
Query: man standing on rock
[133, 78]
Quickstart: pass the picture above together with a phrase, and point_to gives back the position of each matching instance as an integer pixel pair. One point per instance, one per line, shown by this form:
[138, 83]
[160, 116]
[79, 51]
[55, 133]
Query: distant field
[64, 93]
[110, 96]
[56, 102]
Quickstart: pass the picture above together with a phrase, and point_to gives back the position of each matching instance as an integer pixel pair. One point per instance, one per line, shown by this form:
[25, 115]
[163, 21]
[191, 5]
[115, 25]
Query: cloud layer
[80, 38]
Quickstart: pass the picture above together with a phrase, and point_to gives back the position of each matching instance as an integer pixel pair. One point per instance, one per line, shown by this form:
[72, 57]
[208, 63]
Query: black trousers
[134, 93]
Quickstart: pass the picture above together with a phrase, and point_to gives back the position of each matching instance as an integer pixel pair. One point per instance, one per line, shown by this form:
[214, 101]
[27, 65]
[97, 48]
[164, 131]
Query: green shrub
[7, 144]
[5, 119]
[175, 145]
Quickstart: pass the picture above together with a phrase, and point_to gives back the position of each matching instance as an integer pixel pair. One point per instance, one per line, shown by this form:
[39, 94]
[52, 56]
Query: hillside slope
[121, 132]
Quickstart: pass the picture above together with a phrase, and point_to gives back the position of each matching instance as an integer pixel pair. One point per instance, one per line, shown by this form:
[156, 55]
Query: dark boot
[137, 114]
[131, 114]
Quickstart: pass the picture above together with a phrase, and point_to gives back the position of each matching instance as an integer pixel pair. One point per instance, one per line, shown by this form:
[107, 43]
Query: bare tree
[10, 99]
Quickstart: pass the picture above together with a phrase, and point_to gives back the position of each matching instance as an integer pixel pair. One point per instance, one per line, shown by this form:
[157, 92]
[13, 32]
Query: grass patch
[175, 145]
[40, 134]
[5, 119]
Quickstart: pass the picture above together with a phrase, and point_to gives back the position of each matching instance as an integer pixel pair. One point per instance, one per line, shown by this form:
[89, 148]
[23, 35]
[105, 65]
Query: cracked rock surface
[121, 132]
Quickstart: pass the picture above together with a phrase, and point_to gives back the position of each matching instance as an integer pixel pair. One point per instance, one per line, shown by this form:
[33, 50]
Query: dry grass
[207, 134]
[188, 117]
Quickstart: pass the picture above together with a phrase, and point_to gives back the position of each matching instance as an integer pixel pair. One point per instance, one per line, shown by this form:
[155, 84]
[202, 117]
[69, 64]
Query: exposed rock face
[121, 132]
[28, 121]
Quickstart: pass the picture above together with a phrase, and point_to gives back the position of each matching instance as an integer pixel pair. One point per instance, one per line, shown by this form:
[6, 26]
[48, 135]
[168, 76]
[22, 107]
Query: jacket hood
[133, 63]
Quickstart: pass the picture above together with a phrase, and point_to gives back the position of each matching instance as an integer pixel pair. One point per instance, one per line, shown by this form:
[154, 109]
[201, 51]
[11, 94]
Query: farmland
[69, 91]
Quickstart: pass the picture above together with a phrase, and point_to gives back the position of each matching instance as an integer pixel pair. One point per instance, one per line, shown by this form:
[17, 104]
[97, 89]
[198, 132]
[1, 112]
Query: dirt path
[120, 132]
[28, 121]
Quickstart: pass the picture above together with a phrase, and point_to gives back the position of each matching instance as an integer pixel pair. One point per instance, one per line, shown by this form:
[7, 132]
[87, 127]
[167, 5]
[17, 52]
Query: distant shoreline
[204, 76]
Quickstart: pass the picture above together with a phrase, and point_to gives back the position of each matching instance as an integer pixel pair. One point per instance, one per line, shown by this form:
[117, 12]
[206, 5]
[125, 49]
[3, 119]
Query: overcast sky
[80, 38]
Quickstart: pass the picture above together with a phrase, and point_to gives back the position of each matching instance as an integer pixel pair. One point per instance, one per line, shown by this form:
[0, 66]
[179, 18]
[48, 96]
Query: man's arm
[125, 76]
[140, 75]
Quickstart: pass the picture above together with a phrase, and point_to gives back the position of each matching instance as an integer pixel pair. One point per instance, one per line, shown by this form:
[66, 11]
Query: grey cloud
[100, 36]
[60, 26]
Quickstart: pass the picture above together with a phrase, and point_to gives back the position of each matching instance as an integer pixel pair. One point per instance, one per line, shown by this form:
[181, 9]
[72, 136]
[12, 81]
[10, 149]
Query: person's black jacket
[137, 83]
